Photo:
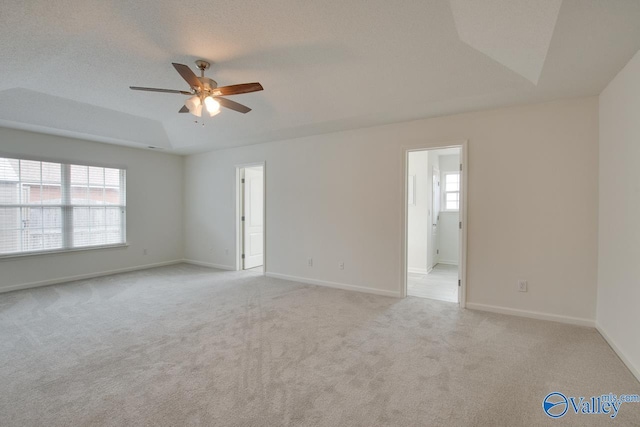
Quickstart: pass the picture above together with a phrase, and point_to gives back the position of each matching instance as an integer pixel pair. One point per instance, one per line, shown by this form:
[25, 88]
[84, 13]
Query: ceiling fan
[206, 96]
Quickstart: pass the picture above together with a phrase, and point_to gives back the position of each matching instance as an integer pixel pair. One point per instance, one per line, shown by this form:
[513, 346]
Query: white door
[435, 217]
[253, 229]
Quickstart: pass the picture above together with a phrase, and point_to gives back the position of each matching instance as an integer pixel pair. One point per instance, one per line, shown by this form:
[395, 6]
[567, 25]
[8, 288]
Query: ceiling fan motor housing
[208, 83]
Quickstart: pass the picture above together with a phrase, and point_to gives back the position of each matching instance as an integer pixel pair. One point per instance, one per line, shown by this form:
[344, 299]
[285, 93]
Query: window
[451, 191]
[47, 206]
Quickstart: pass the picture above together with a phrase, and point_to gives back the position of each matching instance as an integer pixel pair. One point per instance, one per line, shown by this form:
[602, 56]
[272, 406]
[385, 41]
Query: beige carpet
[185, 345]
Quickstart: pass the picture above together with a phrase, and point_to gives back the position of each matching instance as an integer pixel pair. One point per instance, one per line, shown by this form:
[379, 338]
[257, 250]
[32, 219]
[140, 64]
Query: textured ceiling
[516, 33]
[325, 66]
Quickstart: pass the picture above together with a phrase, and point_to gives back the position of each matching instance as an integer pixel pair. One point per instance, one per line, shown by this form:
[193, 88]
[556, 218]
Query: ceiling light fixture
[212, 106]
[194, 104]
[205, 93]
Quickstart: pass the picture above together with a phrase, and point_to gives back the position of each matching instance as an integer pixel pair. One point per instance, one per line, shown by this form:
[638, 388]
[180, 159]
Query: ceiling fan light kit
[205, 93]
[195, 105]
[212, 106]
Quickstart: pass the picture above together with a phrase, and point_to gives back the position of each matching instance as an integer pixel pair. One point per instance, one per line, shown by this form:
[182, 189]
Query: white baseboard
[623, 357]
[85, 276]
[532, 314]
[336, 285]
[417, 270]
[208, 264]
[454, 262]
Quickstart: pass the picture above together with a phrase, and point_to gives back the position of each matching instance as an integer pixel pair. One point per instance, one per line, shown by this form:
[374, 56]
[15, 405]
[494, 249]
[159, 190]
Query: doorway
[434, 238]
[251, 217]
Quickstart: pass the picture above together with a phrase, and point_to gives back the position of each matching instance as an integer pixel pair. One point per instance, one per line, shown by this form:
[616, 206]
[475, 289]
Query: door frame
[238, 213]
[464, 159]
[434, 217]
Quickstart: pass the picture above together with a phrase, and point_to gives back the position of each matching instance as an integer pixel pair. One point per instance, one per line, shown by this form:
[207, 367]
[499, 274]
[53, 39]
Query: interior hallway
[441, 283]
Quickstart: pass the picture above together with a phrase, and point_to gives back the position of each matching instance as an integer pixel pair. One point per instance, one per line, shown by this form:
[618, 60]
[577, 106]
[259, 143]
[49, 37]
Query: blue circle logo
[555, 405]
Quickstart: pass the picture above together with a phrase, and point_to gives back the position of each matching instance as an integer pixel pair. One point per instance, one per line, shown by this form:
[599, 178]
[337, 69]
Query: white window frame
[445, 191]
[66, 207]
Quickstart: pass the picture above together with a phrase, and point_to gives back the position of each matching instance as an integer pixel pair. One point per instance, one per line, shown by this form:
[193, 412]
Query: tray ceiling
[325, 66]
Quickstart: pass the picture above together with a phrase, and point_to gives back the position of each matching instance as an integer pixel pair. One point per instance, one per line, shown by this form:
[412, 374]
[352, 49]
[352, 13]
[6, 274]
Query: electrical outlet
[310, 262]
[226, 251]
[144, 251]
[341, 265]
[522, 285]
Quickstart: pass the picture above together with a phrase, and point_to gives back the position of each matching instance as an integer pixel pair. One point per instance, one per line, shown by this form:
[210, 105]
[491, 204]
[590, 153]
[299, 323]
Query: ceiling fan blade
[188, 75]
[153, 89]
[237, 89]
[184, 109]
[232, 105]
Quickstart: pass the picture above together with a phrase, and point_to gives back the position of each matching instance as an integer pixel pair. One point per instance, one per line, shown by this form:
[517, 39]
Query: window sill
[62, 251]
[450, 211]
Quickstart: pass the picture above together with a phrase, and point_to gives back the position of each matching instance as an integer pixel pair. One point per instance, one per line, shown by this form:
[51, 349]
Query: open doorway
[251, 218]
[434, 238]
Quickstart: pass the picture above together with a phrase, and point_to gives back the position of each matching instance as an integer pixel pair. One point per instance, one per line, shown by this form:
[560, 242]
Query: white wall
[419, 224]
[449, 233]
[339, 196]
[618, 313]
[154, 210]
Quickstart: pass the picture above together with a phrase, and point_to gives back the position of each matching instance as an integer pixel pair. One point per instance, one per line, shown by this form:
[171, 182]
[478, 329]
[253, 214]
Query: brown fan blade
[153, 89]
[184, 109]
[232, 105]
[237, 89]
[188, 75]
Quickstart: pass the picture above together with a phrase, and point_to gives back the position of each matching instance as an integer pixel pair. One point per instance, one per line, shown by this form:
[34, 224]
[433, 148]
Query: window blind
[46, 206]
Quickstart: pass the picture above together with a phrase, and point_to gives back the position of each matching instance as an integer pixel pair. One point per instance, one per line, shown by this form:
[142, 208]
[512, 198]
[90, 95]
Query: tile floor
[441, 283]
